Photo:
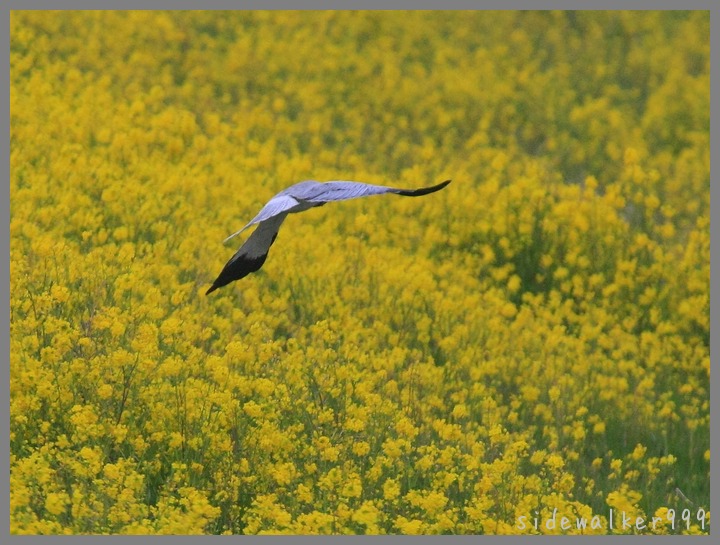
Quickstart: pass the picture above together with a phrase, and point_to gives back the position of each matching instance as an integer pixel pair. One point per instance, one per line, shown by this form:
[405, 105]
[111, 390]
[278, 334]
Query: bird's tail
[236, 233]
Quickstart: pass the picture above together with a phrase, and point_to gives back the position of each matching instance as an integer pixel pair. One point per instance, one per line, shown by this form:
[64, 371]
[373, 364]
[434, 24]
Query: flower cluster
[533, 338]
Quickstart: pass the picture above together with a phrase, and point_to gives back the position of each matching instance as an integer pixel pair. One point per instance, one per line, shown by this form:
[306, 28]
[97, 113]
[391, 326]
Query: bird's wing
[343, 190]
[252, 254]
[279, 204]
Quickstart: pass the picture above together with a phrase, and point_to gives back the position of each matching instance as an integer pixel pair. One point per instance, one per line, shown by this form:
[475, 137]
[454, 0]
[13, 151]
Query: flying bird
[296, 198]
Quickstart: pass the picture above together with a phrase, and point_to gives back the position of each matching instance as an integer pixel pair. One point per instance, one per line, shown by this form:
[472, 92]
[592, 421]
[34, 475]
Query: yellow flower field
[523, 350]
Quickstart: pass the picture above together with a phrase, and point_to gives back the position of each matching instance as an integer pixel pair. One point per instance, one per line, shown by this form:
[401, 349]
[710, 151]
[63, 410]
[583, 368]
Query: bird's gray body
[296, 198]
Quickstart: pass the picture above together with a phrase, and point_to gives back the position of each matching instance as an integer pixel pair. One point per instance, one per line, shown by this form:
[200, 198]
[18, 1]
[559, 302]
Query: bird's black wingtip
[238, 267]
[423, 190]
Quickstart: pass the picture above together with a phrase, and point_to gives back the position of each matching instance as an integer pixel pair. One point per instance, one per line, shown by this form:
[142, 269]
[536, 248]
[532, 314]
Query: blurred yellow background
[533, 337]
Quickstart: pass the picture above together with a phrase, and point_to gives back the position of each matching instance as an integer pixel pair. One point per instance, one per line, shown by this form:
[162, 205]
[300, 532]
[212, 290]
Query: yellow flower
[554, 462]
[361, 448]
[639, 452]
[408, 527]
[391, 489]
[252, 409]
[304, 494]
